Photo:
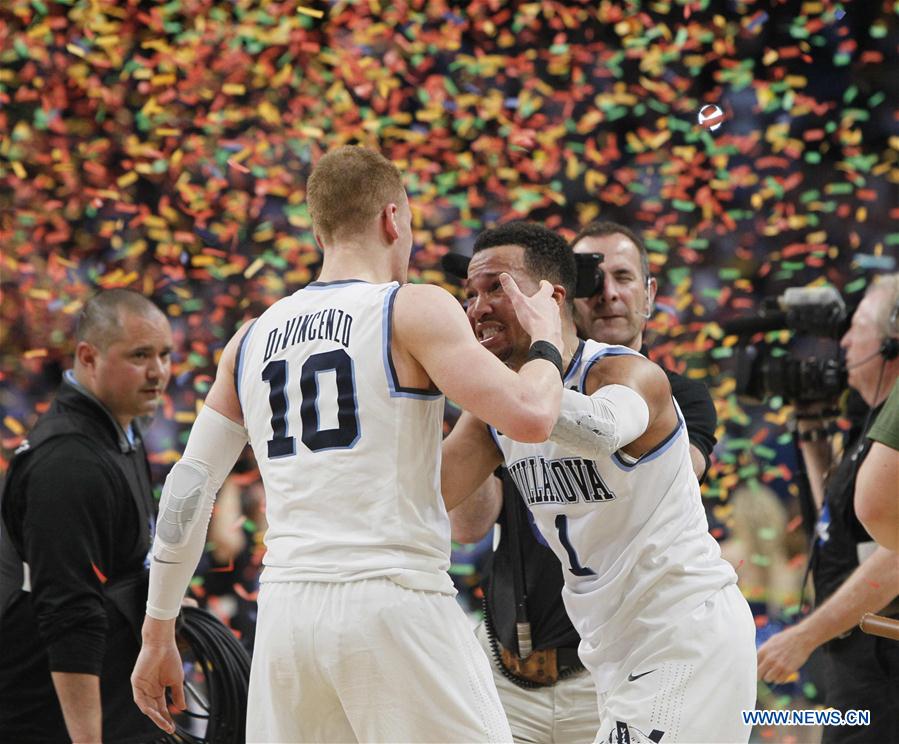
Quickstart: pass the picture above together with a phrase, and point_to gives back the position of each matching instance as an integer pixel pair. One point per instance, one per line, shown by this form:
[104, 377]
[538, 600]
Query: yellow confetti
[310, 11]
[126, 180]
[253, 268]
[14, 426]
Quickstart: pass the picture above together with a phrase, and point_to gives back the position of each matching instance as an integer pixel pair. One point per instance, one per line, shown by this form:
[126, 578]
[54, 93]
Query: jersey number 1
[315, 438]
[576, 568]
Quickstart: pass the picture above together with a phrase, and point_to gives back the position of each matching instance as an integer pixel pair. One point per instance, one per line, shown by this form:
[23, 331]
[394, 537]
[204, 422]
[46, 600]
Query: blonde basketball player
[338, 390]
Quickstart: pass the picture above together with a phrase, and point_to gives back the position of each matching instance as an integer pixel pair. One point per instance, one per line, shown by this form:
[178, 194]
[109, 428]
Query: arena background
[165, 146]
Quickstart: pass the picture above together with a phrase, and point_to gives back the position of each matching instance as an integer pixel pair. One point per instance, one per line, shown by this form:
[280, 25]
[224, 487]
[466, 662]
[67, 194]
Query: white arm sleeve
[597, 425]
[214, 444]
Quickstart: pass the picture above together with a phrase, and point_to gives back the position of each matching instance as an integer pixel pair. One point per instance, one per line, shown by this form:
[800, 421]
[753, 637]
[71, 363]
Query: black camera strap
[511, 505]
[809, 512]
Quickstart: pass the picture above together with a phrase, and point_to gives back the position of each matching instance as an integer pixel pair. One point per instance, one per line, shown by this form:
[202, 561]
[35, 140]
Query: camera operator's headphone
[889, 349]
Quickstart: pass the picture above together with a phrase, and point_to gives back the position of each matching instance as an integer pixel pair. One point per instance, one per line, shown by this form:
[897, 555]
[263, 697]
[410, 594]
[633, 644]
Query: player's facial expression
[862, 341]
[131, 373]
[489, 310]
[617, 315]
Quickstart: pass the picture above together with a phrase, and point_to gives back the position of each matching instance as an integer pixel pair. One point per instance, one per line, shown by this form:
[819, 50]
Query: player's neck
[569, 337]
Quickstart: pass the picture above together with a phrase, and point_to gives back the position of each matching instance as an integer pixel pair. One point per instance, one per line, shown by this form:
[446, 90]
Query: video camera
[762, 371]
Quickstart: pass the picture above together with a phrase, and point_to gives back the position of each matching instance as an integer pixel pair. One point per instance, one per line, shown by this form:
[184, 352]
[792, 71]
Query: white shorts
[368, 661]
[563, 713]
[689, 682]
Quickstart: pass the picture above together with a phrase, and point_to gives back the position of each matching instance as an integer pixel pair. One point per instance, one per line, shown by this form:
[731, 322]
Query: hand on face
[538, 314]
[491, 310]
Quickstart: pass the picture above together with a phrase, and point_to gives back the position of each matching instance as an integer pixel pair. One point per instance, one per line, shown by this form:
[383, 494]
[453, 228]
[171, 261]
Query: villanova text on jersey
[330, 324]
[567, 480]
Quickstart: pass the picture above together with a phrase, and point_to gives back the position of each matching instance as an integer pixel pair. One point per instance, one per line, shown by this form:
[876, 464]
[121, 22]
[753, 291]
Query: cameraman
[851, 574]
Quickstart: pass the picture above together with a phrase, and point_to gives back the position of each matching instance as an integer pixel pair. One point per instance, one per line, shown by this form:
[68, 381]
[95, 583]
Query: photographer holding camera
[851, 574]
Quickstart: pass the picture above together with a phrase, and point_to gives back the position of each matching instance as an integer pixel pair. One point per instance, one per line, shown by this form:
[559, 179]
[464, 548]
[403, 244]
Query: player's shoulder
[239, 335]
[423, 303]
[607, 364]
[424, 292]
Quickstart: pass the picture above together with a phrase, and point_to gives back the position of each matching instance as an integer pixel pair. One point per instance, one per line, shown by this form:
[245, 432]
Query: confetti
[167, 151]
[710, 117]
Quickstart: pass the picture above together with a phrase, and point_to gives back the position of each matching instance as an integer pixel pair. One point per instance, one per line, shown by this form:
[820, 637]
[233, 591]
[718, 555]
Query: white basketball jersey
[632, 536]
[350, 461]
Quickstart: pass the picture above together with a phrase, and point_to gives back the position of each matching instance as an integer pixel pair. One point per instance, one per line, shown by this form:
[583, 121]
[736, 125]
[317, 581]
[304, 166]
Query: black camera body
[760, 374]
[763, 371]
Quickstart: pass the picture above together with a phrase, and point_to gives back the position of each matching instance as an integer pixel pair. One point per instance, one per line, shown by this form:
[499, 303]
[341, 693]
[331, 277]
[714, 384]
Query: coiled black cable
[225, 666]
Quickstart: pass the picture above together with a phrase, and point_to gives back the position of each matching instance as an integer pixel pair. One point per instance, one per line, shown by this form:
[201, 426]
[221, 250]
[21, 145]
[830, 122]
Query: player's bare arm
[475, 516]
[216, 440]
[433, 342]
[469, 457]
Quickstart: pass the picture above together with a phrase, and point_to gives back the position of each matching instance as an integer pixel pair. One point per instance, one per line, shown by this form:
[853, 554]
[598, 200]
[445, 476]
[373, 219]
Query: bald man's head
[123, 353]
[100, 321]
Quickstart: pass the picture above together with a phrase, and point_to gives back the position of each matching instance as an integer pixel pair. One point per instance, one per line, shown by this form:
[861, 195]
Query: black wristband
[545, 350]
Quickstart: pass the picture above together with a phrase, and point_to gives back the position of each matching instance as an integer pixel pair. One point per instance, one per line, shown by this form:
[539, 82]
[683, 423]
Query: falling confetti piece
[710, 117]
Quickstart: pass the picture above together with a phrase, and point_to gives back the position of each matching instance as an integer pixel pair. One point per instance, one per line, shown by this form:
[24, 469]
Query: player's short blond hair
[348, 188]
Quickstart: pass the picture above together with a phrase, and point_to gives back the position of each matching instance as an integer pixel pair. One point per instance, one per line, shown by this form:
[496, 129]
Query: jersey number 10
[314, 437]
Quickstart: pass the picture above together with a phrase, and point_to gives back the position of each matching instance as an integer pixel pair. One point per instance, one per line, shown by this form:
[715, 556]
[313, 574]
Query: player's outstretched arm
[432, 328]
[216, 440]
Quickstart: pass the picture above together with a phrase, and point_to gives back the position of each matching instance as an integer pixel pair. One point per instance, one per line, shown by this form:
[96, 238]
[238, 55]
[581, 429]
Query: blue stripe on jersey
[393, 384]
[495, 434]
[575, 360]
[336, 283]
[238, 362]
[655, 452]
[608, 351]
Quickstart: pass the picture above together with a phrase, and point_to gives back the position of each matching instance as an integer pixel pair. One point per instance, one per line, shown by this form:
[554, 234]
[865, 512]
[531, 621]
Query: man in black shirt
[78, 515]
[548, 696]
[852, 574]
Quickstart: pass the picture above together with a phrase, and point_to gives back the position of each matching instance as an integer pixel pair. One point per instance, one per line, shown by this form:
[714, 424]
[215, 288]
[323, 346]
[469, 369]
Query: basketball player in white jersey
[338, 390]
[665, 633]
